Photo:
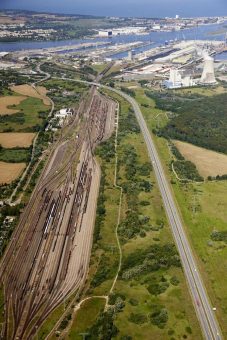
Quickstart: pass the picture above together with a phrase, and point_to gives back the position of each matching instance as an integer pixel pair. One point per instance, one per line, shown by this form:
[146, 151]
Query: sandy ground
[9, 101]
[14, 139]
[10, 171]
[27, 90]
[208, 163]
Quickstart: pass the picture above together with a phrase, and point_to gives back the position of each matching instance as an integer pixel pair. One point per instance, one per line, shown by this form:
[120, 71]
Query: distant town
[22, 25]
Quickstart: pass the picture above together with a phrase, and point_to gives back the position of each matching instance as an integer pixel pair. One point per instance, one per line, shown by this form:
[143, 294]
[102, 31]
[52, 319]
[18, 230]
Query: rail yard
[48, 256]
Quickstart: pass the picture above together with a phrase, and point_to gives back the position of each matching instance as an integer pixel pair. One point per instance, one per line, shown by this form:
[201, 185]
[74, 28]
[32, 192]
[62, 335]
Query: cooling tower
[208, 77]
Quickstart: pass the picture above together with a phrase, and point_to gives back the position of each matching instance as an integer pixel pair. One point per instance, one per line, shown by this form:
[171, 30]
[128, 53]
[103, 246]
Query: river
[156, 38]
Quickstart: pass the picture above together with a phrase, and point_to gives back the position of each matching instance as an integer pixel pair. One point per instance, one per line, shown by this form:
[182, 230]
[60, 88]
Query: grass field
[27, 118]
[99, 67]
[14, 139]
[89, 312]
[203, 208]
[208, 163]
[10, 171]
[29, 91]
[202, 90]
[7, 102]
[15, 155]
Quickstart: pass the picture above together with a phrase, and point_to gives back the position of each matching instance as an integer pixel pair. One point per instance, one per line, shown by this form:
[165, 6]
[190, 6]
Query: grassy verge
[1, 305]
[53, 318]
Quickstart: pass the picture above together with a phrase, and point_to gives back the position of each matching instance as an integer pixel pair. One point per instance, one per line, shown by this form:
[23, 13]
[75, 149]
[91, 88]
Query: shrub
[133, 302]
[138, 318]
[174, 281]
[159, 317]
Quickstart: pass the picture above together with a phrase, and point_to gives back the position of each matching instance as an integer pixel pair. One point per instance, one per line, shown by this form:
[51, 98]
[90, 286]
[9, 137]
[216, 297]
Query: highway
[203, 308]
[201, 301]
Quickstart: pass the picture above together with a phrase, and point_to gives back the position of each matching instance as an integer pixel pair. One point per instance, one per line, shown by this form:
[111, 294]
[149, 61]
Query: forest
[196, 119]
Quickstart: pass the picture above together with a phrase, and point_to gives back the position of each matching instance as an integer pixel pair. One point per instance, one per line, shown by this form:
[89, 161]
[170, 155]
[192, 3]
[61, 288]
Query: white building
[105, 34]
[156, 27]
[63, 114]
[208, 76]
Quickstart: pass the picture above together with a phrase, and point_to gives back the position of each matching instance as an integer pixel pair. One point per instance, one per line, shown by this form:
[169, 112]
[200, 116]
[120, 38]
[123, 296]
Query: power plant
[208, 76]
[177, 81]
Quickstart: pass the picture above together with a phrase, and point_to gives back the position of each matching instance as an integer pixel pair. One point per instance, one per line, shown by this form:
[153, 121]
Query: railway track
[48, 256]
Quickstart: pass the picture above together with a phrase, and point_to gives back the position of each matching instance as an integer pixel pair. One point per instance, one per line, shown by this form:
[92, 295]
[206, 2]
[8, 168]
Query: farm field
[14, 139]
[9, 101]
[208, 163]
[29, 91]
[10, 171]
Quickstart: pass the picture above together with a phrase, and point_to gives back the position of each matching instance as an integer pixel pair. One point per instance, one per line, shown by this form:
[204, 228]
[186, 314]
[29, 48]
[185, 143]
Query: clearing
[7, 101]
[10, 171]
[27, 90]
[207, 162]
[13, 139]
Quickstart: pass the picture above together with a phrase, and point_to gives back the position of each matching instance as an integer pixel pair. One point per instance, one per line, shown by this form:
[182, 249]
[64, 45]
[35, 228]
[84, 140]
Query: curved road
[204, 311]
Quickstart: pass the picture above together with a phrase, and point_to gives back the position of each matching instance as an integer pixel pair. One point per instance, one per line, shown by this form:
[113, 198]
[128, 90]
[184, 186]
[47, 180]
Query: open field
[29, 91]
[208, 163]
[204, 91]
[28, 118]
[10, 171]
[203, 208]
[6, 102]
[88, 314]
[9, 20]
[13, 139]
[15, 155]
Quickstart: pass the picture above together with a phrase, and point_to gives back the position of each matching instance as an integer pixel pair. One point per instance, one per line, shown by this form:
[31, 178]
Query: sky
[143, 8]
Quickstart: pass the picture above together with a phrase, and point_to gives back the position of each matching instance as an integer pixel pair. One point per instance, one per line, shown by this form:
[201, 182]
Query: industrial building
[177, 81]
[105, 34]
[131, 55]
[63, 114]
